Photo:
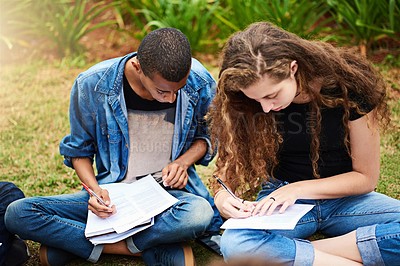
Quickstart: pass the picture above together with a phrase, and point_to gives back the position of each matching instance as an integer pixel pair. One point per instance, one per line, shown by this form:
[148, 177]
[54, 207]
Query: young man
[13, 250]
[135, 115]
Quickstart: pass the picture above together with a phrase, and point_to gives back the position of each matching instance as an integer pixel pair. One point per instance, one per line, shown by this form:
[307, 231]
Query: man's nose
[171, 97]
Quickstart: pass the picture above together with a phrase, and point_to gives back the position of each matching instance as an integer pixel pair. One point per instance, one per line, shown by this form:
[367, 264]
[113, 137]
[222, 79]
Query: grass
[34, 99]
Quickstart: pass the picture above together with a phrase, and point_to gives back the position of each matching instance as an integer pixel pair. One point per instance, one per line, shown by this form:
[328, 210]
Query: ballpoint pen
[227, 189]
[91, 192]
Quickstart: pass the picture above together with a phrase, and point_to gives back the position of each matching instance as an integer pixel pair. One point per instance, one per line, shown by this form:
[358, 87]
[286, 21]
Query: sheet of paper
[136, 203]
[115, 237]
[276, 220]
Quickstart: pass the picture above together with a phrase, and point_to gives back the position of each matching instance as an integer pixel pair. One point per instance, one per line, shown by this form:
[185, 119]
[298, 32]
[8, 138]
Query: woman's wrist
[218, 193]
[219, 197]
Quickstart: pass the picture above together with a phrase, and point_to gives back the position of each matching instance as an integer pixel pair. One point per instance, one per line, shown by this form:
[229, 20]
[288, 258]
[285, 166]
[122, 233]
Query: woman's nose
[267, 106]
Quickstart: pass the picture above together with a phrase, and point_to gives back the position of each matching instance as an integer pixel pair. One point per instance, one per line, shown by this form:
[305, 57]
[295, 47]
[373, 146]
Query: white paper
[115, 237]
[283, 221]
[136, 203]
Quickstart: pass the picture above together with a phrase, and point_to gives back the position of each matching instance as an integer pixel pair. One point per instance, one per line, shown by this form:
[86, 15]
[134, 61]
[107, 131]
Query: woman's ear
[293, 67]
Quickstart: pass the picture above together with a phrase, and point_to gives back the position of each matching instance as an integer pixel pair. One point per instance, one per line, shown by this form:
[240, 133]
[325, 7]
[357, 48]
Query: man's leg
[185, 220]
[57, 222]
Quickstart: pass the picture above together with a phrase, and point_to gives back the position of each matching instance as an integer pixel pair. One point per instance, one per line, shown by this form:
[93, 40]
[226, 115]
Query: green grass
[34, 99]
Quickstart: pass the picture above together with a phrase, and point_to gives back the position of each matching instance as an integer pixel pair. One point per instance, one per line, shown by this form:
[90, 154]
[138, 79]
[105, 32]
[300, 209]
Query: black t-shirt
[135, 102]
[294, 123]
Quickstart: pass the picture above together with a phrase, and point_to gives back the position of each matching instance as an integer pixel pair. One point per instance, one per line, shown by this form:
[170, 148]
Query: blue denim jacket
[99, 126]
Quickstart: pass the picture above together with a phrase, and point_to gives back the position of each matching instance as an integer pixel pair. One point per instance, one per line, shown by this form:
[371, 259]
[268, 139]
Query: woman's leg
[341, 216]
[277, 247]
[367, 228]
[369, 245]
[265, 246]
[342, 246]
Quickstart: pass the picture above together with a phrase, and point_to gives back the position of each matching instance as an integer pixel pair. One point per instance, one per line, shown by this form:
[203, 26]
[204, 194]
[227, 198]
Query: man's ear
[136, 65]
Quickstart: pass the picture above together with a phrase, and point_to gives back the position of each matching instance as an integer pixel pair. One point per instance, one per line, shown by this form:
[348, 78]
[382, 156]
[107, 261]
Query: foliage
[207, 23]
[10, 32]
[363, 22]
[193, 18]
[62, 22]
[303, 17]
[392, 61]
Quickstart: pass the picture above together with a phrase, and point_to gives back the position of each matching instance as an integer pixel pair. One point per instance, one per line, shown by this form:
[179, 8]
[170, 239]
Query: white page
[115, 237]
[136, 203]
[276, 220]
[99, 226]
[149, 199]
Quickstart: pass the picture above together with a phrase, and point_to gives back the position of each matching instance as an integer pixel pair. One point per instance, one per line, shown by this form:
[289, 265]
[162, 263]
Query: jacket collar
[114, 73]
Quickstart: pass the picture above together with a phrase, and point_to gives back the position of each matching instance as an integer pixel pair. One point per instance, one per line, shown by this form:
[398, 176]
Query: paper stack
[137, 203]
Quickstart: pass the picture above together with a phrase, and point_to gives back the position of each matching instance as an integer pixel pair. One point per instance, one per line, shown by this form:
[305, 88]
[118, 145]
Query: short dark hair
[165, 51]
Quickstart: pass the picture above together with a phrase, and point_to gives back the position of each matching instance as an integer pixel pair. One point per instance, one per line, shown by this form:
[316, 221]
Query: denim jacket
[99, 126]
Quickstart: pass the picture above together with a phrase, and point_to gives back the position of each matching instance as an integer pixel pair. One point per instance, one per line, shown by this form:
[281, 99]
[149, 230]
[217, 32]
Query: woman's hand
[283, 196]
[231, 207]
[99, 209]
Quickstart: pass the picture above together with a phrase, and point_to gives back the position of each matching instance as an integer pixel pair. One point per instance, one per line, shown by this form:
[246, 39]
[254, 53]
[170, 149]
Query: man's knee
[12, 216]
[199, 214]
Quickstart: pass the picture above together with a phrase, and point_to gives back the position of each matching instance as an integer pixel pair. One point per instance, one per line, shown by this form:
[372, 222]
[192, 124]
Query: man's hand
[99, 209]
[175, 175]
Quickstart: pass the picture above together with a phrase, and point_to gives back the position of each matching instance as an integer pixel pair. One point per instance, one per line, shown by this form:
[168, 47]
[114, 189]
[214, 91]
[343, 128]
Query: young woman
[301, 119]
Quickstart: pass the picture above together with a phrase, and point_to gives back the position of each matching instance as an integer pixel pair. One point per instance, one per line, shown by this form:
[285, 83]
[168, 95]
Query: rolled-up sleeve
[80, 142]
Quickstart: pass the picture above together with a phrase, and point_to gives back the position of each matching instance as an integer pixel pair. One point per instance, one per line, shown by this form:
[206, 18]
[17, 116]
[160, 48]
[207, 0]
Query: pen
[227, 189]
[91, 192]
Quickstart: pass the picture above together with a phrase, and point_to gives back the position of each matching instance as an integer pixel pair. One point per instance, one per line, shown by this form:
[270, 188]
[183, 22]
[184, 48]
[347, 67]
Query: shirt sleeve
[206, 95]
[364, 106]
[80, 141]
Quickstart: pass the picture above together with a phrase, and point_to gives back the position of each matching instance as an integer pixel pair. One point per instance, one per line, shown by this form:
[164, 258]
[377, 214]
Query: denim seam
[388, 236]
[45, 217]
[361, 213]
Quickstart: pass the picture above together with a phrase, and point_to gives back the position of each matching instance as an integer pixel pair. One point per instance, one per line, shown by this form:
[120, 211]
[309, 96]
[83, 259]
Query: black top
[295, 153]
[135, 102]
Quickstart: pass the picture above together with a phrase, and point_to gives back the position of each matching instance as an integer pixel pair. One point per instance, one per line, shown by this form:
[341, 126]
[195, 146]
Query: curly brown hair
[248, 139]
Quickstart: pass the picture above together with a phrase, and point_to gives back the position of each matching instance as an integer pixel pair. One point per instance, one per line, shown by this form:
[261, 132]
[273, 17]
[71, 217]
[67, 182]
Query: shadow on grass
[202, 256]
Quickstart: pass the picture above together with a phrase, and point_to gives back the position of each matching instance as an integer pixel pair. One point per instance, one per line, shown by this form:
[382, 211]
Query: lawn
[34, 99]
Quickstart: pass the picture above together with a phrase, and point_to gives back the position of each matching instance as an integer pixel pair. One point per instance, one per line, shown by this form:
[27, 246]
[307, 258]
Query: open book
[284, 221]
[136, 203]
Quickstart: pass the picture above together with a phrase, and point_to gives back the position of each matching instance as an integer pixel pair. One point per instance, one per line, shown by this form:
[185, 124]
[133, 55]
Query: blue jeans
[376, 218]
[59, 222]
[8, 193]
